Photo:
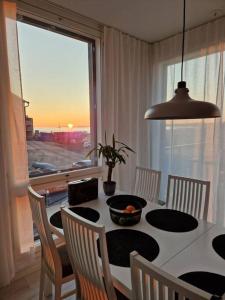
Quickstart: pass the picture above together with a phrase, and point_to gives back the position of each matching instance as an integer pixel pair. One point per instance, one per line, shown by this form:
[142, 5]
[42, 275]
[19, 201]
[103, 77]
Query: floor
[25, 286]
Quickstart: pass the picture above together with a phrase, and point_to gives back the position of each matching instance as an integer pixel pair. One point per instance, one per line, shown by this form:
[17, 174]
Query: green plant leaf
[113, 141]
[105, 139]
[123, 152]
[90, 152]
[110, 153]
[99, 152]
[127, 147]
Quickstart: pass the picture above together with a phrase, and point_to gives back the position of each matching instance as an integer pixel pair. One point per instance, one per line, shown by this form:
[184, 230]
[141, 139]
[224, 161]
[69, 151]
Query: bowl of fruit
[125, 213]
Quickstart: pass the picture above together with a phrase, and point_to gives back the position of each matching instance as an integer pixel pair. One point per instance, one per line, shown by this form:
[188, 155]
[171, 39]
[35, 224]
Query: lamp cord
[183, 39]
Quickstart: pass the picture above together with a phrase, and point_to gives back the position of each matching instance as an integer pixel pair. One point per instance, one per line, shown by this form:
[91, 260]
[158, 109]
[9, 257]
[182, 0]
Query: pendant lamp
[181, 106]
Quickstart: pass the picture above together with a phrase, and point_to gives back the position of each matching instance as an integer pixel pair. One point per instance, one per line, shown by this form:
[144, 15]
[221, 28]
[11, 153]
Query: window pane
[57, 83]
[189, 147]
[190, 142]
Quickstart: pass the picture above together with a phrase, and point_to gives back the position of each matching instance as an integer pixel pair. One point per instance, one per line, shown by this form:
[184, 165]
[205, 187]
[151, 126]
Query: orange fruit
[126, 211]
[130, 208]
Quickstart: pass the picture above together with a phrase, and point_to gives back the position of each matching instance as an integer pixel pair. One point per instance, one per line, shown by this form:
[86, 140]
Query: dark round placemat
[85, 212]
[218, 244]
[121, 242]
[125, 200]
[171, 220]
[209, 282]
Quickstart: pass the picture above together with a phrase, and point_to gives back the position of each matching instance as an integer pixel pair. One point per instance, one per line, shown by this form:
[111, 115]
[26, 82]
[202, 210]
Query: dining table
[175, 252]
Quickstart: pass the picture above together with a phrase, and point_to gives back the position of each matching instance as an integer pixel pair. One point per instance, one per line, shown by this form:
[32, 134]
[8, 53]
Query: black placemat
[218, 244]
[121, 242]
[171, 220]
[209, 282]
[85, 212]
[125, 200]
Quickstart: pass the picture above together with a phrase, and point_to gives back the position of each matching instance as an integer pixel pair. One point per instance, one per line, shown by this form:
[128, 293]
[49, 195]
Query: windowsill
[52, 180]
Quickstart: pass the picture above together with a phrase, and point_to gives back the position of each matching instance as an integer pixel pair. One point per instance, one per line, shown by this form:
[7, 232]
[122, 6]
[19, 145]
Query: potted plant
[113, 154]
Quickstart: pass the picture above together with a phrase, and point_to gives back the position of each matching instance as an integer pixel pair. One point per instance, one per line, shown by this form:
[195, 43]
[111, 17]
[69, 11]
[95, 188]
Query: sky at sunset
[55, 77]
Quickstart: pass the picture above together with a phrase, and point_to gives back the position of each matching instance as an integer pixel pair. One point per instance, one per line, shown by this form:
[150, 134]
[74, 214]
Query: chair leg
[42, 283]
[57, 291]
[48, 286]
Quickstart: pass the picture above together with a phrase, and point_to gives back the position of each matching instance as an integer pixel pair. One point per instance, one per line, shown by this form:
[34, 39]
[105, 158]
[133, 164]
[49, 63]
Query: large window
[189, 143]
[58, 83]
[190, 147]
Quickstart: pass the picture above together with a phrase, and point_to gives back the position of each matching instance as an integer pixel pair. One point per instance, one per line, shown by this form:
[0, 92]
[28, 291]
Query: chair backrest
[81, 238]
[147, 184]
[151, 283]
[188, 195]
[49, 252]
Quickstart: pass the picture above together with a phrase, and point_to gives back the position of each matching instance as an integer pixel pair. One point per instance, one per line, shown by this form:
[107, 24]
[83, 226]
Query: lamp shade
[181, 106]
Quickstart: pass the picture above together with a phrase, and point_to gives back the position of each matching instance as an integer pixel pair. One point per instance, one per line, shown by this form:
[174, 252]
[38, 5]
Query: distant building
[29, 128]
[28, 123]
[36, 134]
[46, 136]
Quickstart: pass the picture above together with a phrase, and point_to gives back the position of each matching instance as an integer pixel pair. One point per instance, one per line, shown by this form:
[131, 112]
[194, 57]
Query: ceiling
[150, 20]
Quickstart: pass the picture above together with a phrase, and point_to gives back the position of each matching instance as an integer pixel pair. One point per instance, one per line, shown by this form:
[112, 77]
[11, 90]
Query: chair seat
[67, 268]
[120, 296]
[66, 265]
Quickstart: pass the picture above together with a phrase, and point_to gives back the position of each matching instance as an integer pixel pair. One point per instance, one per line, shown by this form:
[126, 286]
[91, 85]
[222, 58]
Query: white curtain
[16, 234]
[192, 148]
[125, 97]
[137, 75]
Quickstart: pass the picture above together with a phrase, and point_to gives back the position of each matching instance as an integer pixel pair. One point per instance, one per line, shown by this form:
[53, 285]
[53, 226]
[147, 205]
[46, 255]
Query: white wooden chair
[151, 283]
[188, 195]
[55, 263]
[81, 239]
[147, 184]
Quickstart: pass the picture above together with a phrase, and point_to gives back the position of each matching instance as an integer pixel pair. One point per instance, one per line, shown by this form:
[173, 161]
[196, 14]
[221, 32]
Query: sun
[70, 125]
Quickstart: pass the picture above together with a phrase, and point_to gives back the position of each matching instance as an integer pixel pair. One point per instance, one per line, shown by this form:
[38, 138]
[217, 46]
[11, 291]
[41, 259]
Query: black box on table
[82, 190]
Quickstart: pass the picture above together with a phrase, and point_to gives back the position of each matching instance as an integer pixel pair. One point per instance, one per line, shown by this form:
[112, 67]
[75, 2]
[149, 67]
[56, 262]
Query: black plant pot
[109, 187]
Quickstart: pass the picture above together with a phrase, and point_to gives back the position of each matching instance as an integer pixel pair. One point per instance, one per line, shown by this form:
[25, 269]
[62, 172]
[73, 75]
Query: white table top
[199, 256]
[171, 244]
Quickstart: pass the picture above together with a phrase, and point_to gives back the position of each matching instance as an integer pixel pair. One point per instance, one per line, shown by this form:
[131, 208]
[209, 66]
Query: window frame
[94, 44]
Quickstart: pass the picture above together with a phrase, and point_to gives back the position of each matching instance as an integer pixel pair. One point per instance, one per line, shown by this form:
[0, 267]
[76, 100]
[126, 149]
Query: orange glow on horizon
[61, 123]
[59, 118]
